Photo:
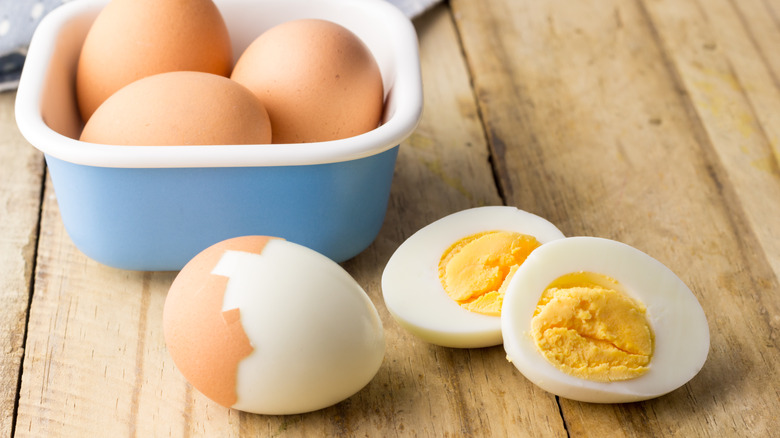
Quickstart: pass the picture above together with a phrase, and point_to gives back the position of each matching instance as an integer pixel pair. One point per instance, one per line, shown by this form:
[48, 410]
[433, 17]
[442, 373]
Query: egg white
[317, 337]
[413, 292]
[677, 319]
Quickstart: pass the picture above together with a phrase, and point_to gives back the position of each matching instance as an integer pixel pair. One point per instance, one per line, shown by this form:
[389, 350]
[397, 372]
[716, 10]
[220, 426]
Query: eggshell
[317, 79]
[180, 108]
[268, 326]
[131, 39]
[207, 344]
[679, 325]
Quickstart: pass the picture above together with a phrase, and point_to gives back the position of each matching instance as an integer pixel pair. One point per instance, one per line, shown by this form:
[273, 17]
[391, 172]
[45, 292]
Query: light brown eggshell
[131, 39]
[317, 79]
[180, 108]
[205, 343]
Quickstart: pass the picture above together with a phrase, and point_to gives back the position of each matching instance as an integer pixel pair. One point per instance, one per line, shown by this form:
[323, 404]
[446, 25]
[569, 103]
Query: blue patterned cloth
[19, 18]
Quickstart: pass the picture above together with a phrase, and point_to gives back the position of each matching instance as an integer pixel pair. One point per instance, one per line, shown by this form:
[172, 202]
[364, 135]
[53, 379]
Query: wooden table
[652, 122]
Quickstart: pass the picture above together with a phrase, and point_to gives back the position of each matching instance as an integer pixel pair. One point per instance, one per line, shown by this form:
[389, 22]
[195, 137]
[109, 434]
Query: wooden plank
[605, 141]
[444, 167]
[93, 331]
[723, 56]
[96, 361]
[21, 179]
[651, 122]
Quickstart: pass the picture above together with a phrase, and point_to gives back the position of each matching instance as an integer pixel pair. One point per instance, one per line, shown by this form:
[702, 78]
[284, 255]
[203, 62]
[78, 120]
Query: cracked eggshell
[268, 326]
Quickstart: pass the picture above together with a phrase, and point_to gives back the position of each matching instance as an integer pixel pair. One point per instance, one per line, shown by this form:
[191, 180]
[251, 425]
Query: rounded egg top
[317, 79]
[180, 108]
[131, 39]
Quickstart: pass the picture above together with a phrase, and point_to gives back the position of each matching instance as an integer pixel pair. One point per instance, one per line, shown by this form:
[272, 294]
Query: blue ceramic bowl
[156, 207]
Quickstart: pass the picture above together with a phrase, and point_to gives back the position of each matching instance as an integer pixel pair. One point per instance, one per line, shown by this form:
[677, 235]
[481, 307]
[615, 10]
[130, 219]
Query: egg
[132, 39]
[180, 108]
[317, 79]
[445, 283]
[267, 326]
[599, 321]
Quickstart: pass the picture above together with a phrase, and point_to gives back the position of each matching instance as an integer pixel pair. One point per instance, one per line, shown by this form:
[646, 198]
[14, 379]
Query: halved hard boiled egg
[596, 320]
[264, 325]
[445, 283]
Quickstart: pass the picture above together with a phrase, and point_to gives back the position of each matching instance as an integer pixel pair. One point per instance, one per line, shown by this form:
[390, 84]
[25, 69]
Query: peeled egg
[132, 39]
[445, 283]
[317, 79]
[180, 108]
[596, 320]
[267, 326]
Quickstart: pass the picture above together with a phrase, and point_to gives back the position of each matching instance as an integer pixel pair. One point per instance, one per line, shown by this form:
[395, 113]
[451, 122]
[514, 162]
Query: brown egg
[317, 79]
[131, 39]
[180, 108]
[268, 326]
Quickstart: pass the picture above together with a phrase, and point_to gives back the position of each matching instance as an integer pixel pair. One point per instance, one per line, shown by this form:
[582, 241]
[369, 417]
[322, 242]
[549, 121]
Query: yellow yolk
[587, 326]
[475, 270]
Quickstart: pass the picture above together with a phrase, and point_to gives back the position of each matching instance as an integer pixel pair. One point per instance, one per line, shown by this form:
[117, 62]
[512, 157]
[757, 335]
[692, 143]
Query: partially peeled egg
[267, 326]
[596, 320]
[445, 283]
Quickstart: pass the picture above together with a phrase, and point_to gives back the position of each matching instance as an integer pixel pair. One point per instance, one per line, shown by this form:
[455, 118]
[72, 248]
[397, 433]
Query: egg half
[445, 283]
[268, 326]
[596, 320]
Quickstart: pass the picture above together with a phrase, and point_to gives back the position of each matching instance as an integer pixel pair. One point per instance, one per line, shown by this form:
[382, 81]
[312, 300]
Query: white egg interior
[317, 336]
[413, 292]
[680, 327]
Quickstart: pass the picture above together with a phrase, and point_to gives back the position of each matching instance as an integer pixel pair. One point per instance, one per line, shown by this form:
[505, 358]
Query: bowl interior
[47, 110]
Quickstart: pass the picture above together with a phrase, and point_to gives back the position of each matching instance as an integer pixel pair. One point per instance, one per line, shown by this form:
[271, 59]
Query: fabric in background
[19, 18]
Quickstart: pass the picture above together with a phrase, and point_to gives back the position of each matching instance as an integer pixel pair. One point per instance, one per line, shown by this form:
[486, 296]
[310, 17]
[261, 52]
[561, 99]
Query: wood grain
[21, 175]
[652, 122]
[95, 362]
[93, 326]
[635, 126]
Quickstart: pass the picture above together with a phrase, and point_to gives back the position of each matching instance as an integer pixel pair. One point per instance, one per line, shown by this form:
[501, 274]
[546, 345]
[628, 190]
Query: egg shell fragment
[680, 326]
[308, 336]
[414, 294]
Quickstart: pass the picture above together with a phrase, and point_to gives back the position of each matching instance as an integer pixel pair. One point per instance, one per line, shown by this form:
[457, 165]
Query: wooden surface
[652, 122]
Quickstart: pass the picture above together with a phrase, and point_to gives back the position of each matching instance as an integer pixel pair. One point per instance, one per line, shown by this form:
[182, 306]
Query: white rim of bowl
[407, 83]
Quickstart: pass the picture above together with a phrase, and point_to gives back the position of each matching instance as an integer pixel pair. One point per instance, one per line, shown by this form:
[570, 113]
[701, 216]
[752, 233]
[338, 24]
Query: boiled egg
[445, 283]
[596, 320]
[267, 326]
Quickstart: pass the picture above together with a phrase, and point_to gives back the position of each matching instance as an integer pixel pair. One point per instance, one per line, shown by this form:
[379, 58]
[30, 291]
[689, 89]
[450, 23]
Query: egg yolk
[588, 327]
[476, 269]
